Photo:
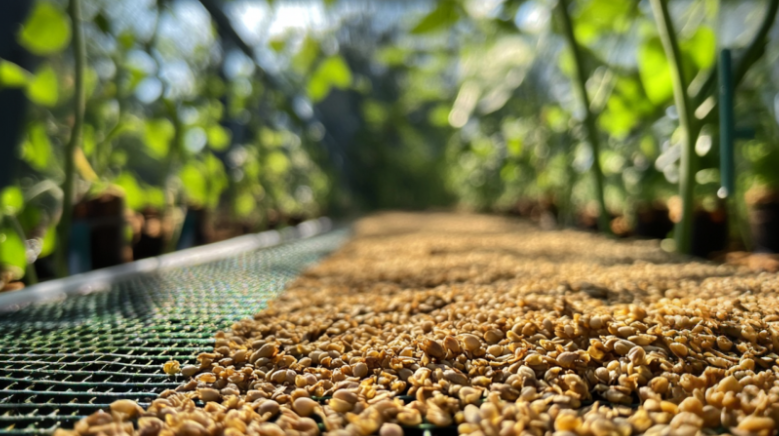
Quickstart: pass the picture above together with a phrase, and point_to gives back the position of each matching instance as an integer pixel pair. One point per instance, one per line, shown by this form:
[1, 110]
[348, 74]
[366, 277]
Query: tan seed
[208, 394]
[471, 342]
[434, 349]
[390, 429]
[304, 406]
[678, 349]
[756, 423]
[360, 370]
[267, 350]
[126, 407]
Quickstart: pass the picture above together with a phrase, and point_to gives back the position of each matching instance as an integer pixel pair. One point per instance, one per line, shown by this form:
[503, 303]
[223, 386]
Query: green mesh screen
[60, 361]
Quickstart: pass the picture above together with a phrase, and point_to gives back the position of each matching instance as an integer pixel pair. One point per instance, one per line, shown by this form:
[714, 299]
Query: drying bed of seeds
[481, 325]
[62, 360]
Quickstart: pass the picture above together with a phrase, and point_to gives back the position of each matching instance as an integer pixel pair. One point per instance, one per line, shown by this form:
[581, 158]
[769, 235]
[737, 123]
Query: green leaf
[90, 81]
[509, 172]
[157, 134]
[392, 56]
[277, 163]
[374, 112]
[655, 71]
[49, 241]
[218, 137]
[278, 44]
[194, 182]
[444, 15]
[556, 118]
[217, 179]
[11, 200]
[118, 157]
[648, 147]
[336, 69]
[204, 181]
[332, 72]
[567, 64]
[305, 57]
[318, 88]
[270, 138]
[599, 17]
[155, 197]
[36, 150]
[46, 31]
[133, 192]
[701, 48]
[126, 39]
[102, 23]
[514, 146]
[439, 115]
[618, 118]
[12, 75]
[88, 140]
[43, 88]
[13, 252]
[245, 204]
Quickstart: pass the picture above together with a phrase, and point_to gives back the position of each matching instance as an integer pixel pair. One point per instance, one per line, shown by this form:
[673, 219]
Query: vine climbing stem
[590, 118]
[79, 55]
[687, 124]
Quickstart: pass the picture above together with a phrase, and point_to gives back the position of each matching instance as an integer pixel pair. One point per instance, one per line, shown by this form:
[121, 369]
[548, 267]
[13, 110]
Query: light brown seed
[171, 367]
[493, 336]
[360, 370]
[267, 350]
[623, 347]
[756, 424]
[268, 406]
[692, 405]
[678, 349]
[127, 407]
[452, 345]
[340, 406]
[434, 349]
[471, 342]
[348, 396]
[304, 406]
[208, 394]
[566, 359]
[390, 429]
[189, 370]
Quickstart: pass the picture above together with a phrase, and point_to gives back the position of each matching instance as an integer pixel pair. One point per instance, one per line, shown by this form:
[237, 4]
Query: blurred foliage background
[212, 118]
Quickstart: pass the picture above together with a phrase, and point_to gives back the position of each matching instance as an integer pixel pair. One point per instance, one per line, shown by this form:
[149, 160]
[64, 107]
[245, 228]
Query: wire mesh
[62, 360]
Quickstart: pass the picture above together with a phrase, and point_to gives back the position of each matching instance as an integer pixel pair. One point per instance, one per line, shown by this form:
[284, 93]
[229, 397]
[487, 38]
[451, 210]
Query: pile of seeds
[486, 326]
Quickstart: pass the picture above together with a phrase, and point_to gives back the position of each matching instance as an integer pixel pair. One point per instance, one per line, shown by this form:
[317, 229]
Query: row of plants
[156, 126]
[602, 114]
[137, 141]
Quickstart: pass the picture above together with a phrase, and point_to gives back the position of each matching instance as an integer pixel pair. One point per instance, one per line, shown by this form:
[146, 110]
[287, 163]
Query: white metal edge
[101, 279]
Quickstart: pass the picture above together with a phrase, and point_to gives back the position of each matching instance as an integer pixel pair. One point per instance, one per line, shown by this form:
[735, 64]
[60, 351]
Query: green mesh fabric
[60, 361]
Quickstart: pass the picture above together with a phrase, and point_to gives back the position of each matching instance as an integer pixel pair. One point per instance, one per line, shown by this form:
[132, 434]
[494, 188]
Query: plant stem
[79, 54]
[589, 115]
[686, 122]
